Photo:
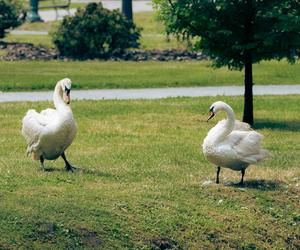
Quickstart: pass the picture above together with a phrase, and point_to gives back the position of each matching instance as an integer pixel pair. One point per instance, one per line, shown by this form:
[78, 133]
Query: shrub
[95, 32]
[10, 15]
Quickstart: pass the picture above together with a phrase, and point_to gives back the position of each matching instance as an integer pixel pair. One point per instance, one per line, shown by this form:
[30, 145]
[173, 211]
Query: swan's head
[215, 107]
[66, 89]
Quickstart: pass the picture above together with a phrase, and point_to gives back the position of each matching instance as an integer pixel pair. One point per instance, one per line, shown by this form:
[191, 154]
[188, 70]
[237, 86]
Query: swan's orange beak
[212, 114]
[67, 98]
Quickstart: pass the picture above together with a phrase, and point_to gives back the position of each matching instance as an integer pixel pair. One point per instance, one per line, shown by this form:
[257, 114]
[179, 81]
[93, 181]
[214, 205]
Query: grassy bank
[37, 75]
[141, 180]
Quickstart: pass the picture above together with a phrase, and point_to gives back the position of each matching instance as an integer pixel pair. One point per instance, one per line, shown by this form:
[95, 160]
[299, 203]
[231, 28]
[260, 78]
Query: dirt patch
[3, 247]
[89, 238]
[293, 242]
[46, 229]
[164, 243]
[218, 239]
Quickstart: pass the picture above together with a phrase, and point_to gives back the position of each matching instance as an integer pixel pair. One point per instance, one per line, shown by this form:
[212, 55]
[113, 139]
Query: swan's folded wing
[234, 138]
[33, 124]
[48, 112]
[238, 125]
[248, 148]
[46, 116]
[241, 126]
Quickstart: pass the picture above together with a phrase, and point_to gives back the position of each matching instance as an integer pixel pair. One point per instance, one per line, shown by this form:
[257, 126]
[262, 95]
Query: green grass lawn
[141, 180]
[36, 75]
[153, 36]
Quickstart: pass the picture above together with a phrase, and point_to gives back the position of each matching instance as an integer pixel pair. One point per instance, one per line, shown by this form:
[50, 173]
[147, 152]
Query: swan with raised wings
[231, 143]
[49, 133]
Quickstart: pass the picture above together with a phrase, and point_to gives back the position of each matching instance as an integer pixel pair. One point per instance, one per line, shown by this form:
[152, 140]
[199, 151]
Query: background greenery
[95, 32]
[152, 33]
[94, 74]
[142, 177]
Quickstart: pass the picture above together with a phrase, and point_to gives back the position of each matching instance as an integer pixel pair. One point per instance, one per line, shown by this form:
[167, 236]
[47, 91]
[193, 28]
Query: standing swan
[231, 143]
[49, 133]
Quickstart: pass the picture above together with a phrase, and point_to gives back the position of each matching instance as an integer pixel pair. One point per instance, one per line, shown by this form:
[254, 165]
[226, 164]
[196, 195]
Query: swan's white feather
[235, 147]
[48, 133]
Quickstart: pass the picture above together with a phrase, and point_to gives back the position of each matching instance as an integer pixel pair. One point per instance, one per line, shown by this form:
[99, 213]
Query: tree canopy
[10, 15]
[237, 33]
[270, 29]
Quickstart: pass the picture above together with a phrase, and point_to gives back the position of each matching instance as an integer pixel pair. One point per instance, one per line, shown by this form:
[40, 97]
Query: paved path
[137, 6]
[155, 93]
[50, 15]
[29, 32]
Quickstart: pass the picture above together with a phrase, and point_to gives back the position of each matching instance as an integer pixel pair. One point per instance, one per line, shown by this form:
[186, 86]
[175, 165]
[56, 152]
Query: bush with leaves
[10, 15]
[95, 32]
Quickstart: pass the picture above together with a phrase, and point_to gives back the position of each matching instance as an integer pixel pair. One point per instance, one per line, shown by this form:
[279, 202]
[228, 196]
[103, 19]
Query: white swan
[231, 143]
[49, 133]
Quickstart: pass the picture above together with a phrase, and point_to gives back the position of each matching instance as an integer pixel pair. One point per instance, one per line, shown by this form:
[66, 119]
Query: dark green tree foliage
[10, 15]
[95, 32]
[237, 33]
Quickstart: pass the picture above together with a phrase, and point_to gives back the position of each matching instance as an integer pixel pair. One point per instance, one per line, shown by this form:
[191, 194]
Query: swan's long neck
[59, 103]
[218, 135]
[230, 119]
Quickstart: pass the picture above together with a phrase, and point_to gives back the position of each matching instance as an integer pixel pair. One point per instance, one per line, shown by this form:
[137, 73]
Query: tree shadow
[293, 125]
[263, 185]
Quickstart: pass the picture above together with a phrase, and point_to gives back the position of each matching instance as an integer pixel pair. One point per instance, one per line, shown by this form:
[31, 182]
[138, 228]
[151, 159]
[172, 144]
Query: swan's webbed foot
[68, 166]
[42, 162]
[218, 172]
[242, 180]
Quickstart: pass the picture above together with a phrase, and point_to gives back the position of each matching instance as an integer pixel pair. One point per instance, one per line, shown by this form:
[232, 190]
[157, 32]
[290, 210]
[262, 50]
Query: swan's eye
[212, 109]
[67, 90]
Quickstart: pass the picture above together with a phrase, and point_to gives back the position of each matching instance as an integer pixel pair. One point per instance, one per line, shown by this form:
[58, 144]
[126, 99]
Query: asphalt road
[151, 93]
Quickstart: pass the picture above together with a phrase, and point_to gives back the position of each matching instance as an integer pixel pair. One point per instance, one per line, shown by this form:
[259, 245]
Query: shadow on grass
[258, 184]
[79, 170]
[97, 173]
[277, 124]
[52, 169]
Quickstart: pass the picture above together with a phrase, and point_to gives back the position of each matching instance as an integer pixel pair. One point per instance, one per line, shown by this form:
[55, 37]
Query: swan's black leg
[218, 172]
[243, 173]
[68, 165]
[42, 162]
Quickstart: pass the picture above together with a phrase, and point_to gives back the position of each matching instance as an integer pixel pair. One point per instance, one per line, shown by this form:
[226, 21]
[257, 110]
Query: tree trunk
[127, 8]
[248, 97]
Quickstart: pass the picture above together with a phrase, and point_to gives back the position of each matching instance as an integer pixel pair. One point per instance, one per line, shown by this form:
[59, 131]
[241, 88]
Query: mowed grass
[141, 180]
[39, 75]
[152, 34]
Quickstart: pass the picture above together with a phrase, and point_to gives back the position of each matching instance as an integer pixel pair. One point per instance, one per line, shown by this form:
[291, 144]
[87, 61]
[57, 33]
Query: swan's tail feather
[263, 154]
[253, 159]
